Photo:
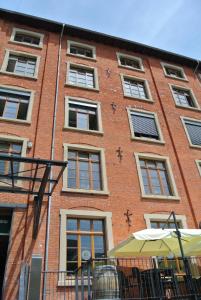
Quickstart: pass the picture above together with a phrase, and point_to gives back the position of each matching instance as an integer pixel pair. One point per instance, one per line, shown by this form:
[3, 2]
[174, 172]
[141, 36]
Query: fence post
[35, 278]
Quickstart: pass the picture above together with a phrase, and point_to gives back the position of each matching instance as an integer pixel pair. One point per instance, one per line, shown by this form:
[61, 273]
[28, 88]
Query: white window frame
[138, 59]
[139, 111]
[13, 139]
[164, 217]
[85, 102]
[20, 53]
[27, 32]
[164, 65]
[82, 45]
[146, 86]
[94, 70]
[172, 86]
[198, 164]
[30, 106]
[64, 214]
[172, 182]
[186, 131]
[87, 148]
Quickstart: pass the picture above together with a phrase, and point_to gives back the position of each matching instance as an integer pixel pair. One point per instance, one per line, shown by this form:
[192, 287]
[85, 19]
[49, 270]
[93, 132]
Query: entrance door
[5, 223]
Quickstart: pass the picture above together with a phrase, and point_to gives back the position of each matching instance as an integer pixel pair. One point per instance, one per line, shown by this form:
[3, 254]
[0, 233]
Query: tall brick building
[126, 116]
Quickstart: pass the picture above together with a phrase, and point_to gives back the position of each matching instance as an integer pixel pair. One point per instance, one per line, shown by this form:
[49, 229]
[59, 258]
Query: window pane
[72, 241]
[85, 225]
[98, 225]
[85, 242]
[72, 254]
[72, 119]
[72, 224]
[82, 121]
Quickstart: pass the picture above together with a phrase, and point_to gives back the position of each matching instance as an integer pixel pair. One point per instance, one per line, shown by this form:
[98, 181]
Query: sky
[172, 25]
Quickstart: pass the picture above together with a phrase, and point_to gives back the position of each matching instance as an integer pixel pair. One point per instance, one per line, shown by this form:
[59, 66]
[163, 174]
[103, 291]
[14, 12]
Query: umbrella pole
[191, 286]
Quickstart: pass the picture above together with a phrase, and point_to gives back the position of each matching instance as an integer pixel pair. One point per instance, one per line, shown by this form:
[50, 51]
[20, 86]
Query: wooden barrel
[105, 282]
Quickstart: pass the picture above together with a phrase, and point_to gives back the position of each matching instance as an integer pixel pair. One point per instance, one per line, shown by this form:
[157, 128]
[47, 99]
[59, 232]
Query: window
[198, 163]
[144, 126]
[9, 148]
[86, 169]
[130, 62]
[82, 50]
[21, 64]
[136, 88]
[83, 230]
[173, 71]
[159, 221]
[14, 104]
[84, 234]
[156, 178]
[193, 131]
[82, 77]
[184, 97]
[163, 224]
[27, 37]
[83, 115]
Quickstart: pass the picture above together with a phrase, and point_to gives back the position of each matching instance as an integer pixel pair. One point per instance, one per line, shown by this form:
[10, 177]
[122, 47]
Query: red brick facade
[122, 176]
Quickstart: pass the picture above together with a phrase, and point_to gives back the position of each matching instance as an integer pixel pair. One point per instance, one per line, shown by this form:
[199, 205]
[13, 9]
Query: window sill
[160, 197]
[95, 132]
[132, 69]
[189, 108]
[81, 87]
[83, 57]
[82, 191]
[18, 75]
[26, 44]
[15, 121]
[146, 140]
[176, 78]
[140, 99]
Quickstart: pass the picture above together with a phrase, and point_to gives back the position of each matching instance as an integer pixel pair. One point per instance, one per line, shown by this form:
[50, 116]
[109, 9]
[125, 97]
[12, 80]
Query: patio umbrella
[157, 242]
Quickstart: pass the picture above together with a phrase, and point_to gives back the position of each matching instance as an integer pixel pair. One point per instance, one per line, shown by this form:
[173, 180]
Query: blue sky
[173, 25]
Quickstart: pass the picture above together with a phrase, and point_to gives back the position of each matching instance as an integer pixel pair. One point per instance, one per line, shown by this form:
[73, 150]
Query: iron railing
[135, 278]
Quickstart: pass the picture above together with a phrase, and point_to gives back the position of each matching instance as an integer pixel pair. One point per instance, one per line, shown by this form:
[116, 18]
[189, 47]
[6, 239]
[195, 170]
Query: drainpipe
[52, 157]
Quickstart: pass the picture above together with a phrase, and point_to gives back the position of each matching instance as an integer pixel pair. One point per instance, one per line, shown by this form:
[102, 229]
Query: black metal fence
[135, 278]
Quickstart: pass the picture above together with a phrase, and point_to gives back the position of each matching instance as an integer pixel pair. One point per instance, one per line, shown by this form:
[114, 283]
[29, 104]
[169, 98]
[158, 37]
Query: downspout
[52, 157]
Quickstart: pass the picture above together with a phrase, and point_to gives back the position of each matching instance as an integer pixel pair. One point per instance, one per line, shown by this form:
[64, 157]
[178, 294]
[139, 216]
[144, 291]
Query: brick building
[126, 116]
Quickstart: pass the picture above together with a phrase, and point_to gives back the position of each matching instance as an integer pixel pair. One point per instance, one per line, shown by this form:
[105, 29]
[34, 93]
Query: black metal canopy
[31, 176]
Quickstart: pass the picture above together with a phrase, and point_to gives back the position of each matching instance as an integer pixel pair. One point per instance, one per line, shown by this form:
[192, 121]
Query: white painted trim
[30, 33]
[94, 70]
[164, 217]
[88, 148]
[172, 182]
[163, 64]
[20, 53]
[186, 131]
[30, 106]
[161, 139]
[82, 45]
[84, 101]
[64, 213]
[138, 59]
[197, 107]
[146, 85]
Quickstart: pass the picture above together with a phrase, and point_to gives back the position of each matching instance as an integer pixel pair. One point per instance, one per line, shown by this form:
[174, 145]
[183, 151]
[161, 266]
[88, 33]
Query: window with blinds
[144, 125]
[194, 131]
[14, 103]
